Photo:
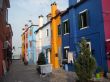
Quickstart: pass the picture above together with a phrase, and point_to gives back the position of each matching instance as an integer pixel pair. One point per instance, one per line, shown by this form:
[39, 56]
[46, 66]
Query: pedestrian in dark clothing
[9, 57]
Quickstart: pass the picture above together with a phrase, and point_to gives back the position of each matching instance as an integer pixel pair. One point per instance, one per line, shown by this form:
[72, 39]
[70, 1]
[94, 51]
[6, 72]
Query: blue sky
[21, 11]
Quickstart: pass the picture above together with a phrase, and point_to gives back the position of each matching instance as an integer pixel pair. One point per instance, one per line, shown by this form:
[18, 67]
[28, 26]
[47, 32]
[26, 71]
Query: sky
[21, 11]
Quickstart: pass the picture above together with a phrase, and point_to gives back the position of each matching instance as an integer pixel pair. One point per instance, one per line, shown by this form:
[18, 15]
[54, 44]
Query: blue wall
[32, 58]
[95, 31]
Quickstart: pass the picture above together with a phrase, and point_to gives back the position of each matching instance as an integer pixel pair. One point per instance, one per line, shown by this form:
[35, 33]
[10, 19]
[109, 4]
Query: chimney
[40, 20]
[53, 9]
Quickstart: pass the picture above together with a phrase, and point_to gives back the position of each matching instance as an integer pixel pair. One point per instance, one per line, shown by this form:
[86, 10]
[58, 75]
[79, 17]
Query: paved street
[21, 73]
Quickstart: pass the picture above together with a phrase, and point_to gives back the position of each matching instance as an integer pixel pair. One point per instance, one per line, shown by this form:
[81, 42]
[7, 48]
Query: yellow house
[23, 49]
[55, 39]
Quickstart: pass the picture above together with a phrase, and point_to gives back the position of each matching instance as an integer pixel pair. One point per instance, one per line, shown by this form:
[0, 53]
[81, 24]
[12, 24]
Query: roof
[42, 26]
[28, 28]
[73, 6]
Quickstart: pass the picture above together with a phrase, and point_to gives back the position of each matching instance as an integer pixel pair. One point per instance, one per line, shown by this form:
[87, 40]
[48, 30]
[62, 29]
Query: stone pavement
[21, 73]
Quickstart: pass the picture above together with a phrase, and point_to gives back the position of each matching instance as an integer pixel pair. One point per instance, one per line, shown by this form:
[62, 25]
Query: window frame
[80, 21]
[65, 28]
[59, 30]
[66, 47]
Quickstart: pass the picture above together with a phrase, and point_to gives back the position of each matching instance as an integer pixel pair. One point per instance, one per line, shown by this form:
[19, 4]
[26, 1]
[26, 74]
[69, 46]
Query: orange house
[55, 38]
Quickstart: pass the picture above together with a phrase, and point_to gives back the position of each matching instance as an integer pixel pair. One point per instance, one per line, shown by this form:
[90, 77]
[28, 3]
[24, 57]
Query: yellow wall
[23, 46]
[55, 40]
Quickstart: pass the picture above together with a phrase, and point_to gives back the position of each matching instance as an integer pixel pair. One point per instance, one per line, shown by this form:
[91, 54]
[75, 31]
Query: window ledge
[66, 33]
[83, 28]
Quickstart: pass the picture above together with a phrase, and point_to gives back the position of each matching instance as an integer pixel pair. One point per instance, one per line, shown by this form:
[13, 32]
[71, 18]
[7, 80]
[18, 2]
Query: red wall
[106, 16]
[1, 58]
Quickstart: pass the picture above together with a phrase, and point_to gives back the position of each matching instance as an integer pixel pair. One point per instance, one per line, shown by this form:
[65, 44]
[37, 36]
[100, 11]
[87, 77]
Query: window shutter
[63, 24]
[68, 26]
[79, 21]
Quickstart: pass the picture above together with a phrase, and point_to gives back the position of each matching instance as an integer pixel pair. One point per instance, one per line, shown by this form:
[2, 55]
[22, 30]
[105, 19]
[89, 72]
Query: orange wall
[55, 40]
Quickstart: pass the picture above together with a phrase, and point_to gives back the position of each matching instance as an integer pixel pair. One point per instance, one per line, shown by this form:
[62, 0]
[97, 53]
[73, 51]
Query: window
[66, 28]
[59, 30]
[83, 19]
[89, 45]
[47, 32]
[66, 50]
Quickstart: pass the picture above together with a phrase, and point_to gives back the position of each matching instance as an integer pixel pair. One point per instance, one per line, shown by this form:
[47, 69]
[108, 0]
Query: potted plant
[99, 72]
[85, 64]
[43, 67]
[41, 61]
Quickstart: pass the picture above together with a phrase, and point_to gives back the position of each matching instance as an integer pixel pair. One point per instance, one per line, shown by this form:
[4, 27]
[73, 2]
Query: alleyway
[21, 73]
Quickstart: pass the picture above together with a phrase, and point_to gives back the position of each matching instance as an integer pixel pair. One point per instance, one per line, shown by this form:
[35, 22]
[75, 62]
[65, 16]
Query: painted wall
[94, 32]
[39, 37]
[46, 41]
[34, 28]
[54, 36]
[1, 58]
[23, 51]
[106, 19]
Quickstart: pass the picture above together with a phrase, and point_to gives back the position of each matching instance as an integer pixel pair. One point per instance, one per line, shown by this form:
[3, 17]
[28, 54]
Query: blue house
[32, 58]
[84, 18]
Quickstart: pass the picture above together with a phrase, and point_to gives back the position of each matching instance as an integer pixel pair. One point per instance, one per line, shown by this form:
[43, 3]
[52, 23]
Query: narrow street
[21, 73]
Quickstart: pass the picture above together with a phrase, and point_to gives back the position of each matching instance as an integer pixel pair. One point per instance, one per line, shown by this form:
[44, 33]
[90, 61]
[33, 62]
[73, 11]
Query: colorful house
[46, 38]
[32, 57]
[106, 22]
[4, 4]
[39, 37]
[85, 18]
[55, 37]
[25, 44]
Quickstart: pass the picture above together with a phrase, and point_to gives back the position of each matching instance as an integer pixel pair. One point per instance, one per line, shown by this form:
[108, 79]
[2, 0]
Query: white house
[43, 37]
[39, 37]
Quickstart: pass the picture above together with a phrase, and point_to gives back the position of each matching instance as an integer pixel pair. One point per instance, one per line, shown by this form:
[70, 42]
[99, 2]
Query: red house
[4, 4]
[106, 17]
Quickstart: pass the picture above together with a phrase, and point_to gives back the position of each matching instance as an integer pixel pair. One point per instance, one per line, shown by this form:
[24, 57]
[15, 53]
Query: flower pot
[101, 74]
[98, 75]
[47, 68]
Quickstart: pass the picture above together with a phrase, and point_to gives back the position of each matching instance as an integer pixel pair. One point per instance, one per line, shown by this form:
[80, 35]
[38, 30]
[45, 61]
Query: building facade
[32, 57]
[56, 41]
[4, 5]
[25, 44]
[106, 20]
[39, 36]
[84, 18]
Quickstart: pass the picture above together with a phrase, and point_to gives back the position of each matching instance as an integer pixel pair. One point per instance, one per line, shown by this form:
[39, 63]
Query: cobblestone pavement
[21, 73]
